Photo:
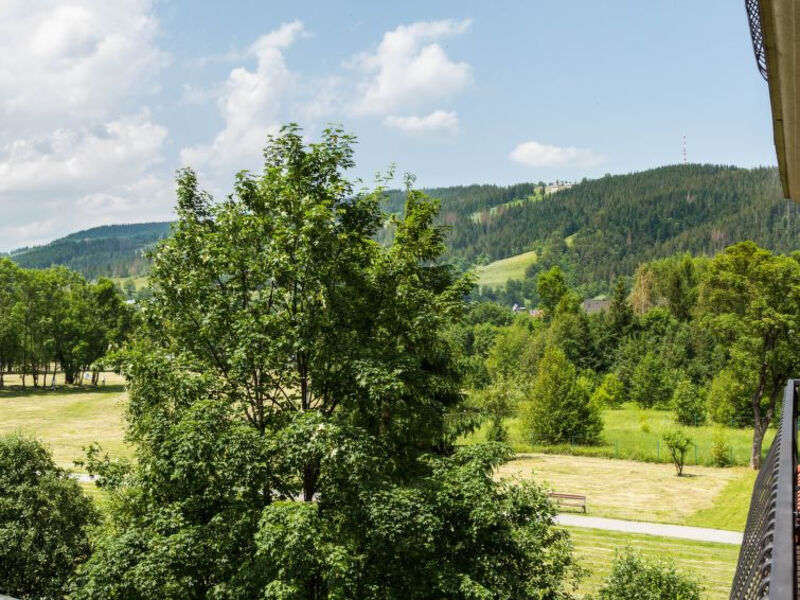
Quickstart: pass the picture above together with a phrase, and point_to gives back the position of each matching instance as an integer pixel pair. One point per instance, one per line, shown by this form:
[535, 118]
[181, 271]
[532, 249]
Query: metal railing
[757, 35]
[767, 559]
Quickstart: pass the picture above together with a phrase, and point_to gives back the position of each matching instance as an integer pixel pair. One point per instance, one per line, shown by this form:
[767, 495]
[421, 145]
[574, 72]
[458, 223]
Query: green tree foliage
[633, 576]
[499, 401]
[650, 383]
[729, 397]
[610, 393]
[689, 404]
[290, 402]
[678, 444]
[619, 318]
[552, 288]
[560, 408]
[751, 304]
[55, 318]
[516, 351]
[44, 518]
[720, 448]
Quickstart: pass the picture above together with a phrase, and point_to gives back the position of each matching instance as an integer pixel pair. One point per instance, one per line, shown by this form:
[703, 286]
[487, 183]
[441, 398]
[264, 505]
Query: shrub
[689, 404]
[635, 577]
[720, 448]
[610, 392]
[561, 409]
[678, 445]
[44, 517]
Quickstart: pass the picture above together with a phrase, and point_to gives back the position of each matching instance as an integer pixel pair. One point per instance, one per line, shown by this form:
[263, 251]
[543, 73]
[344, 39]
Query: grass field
[68, 418]
[138, 282]
[636, 434]
[623, 489]
[497, 273]
[712, 564]
[477, 217]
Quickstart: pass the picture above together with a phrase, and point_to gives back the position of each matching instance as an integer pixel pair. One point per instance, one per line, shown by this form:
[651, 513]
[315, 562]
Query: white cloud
[409, 69]
[80, 161]
[439, 121]
[249, 103]
[78, 147]
[62, 62]
[534, 154]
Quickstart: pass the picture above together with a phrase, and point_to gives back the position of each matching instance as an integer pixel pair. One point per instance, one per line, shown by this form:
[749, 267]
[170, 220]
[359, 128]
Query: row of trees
[53, 319]
[713, 339]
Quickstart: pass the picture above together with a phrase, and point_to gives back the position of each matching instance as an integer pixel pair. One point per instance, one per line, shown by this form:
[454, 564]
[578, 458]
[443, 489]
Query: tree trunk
[758, 440]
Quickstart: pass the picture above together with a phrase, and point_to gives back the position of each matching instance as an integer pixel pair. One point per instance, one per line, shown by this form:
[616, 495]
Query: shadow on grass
[17, 391]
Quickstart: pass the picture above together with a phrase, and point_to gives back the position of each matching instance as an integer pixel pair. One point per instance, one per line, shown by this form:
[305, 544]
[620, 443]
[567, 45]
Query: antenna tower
[684, 149]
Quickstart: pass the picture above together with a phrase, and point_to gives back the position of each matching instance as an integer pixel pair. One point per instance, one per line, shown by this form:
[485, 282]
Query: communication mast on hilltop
[684, 148]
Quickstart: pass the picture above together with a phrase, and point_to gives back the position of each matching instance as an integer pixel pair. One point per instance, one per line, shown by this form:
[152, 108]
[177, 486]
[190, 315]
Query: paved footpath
[699, 534]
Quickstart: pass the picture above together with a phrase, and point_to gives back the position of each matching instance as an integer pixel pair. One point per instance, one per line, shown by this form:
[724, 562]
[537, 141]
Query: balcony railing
[768, 557]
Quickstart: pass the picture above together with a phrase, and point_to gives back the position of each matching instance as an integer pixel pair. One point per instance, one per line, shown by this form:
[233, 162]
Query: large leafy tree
[289, 399]
[751, 303]
[44, 521]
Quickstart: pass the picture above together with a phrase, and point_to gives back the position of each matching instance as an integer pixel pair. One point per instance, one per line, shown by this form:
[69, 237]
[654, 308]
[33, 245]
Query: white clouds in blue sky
[101, 101]
[534, 154]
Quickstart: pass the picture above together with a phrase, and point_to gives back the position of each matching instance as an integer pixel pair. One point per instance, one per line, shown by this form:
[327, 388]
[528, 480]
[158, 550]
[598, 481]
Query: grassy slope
[712, 564]
[69, 418]
[633, 433]
[497, 273]
[478, 217]
[622, 489]
[138, 282]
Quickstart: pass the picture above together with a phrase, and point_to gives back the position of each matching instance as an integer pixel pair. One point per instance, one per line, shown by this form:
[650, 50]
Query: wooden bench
[576, 500]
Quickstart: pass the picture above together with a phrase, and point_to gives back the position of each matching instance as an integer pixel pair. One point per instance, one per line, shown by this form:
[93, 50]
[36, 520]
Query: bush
[610, 392]
[44, 517]
[720, 448]
[689, 404]
[635, 577]
[678, 445]
[561, 409]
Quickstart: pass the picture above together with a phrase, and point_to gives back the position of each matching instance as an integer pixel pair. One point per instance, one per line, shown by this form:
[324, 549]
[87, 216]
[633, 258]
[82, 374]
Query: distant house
[536, 313]
[595, 306]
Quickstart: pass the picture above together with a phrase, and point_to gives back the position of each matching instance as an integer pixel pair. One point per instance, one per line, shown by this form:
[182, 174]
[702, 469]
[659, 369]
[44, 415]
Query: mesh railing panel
[766, 567]
[757, 35]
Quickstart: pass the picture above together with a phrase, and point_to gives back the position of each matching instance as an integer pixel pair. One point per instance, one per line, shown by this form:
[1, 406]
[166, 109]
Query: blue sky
[102, 101]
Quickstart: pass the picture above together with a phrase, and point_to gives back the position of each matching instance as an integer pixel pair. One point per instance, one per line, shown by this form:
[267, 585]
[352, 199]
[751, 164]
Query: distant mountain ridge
[595, 230]
[105, 251]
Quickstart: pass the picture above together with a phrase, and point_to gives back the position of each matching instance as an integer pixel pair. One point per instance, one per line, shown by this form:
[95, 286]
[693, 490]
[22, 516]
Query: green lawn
[497, 273]
[730, 507]
[712, 564]
[69, 418]
[636, 434]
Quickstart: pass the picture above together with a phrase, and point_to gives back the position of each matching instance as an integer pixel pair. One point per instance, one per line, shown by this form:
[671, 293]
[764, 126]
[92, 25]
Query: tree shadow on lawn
[17, 391]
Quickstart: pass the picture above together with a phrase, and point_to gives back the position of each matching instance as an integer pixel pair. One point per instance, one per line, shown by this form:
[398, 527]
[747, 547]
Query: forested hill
[595, 230]
[599, 229]
[110, 251]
